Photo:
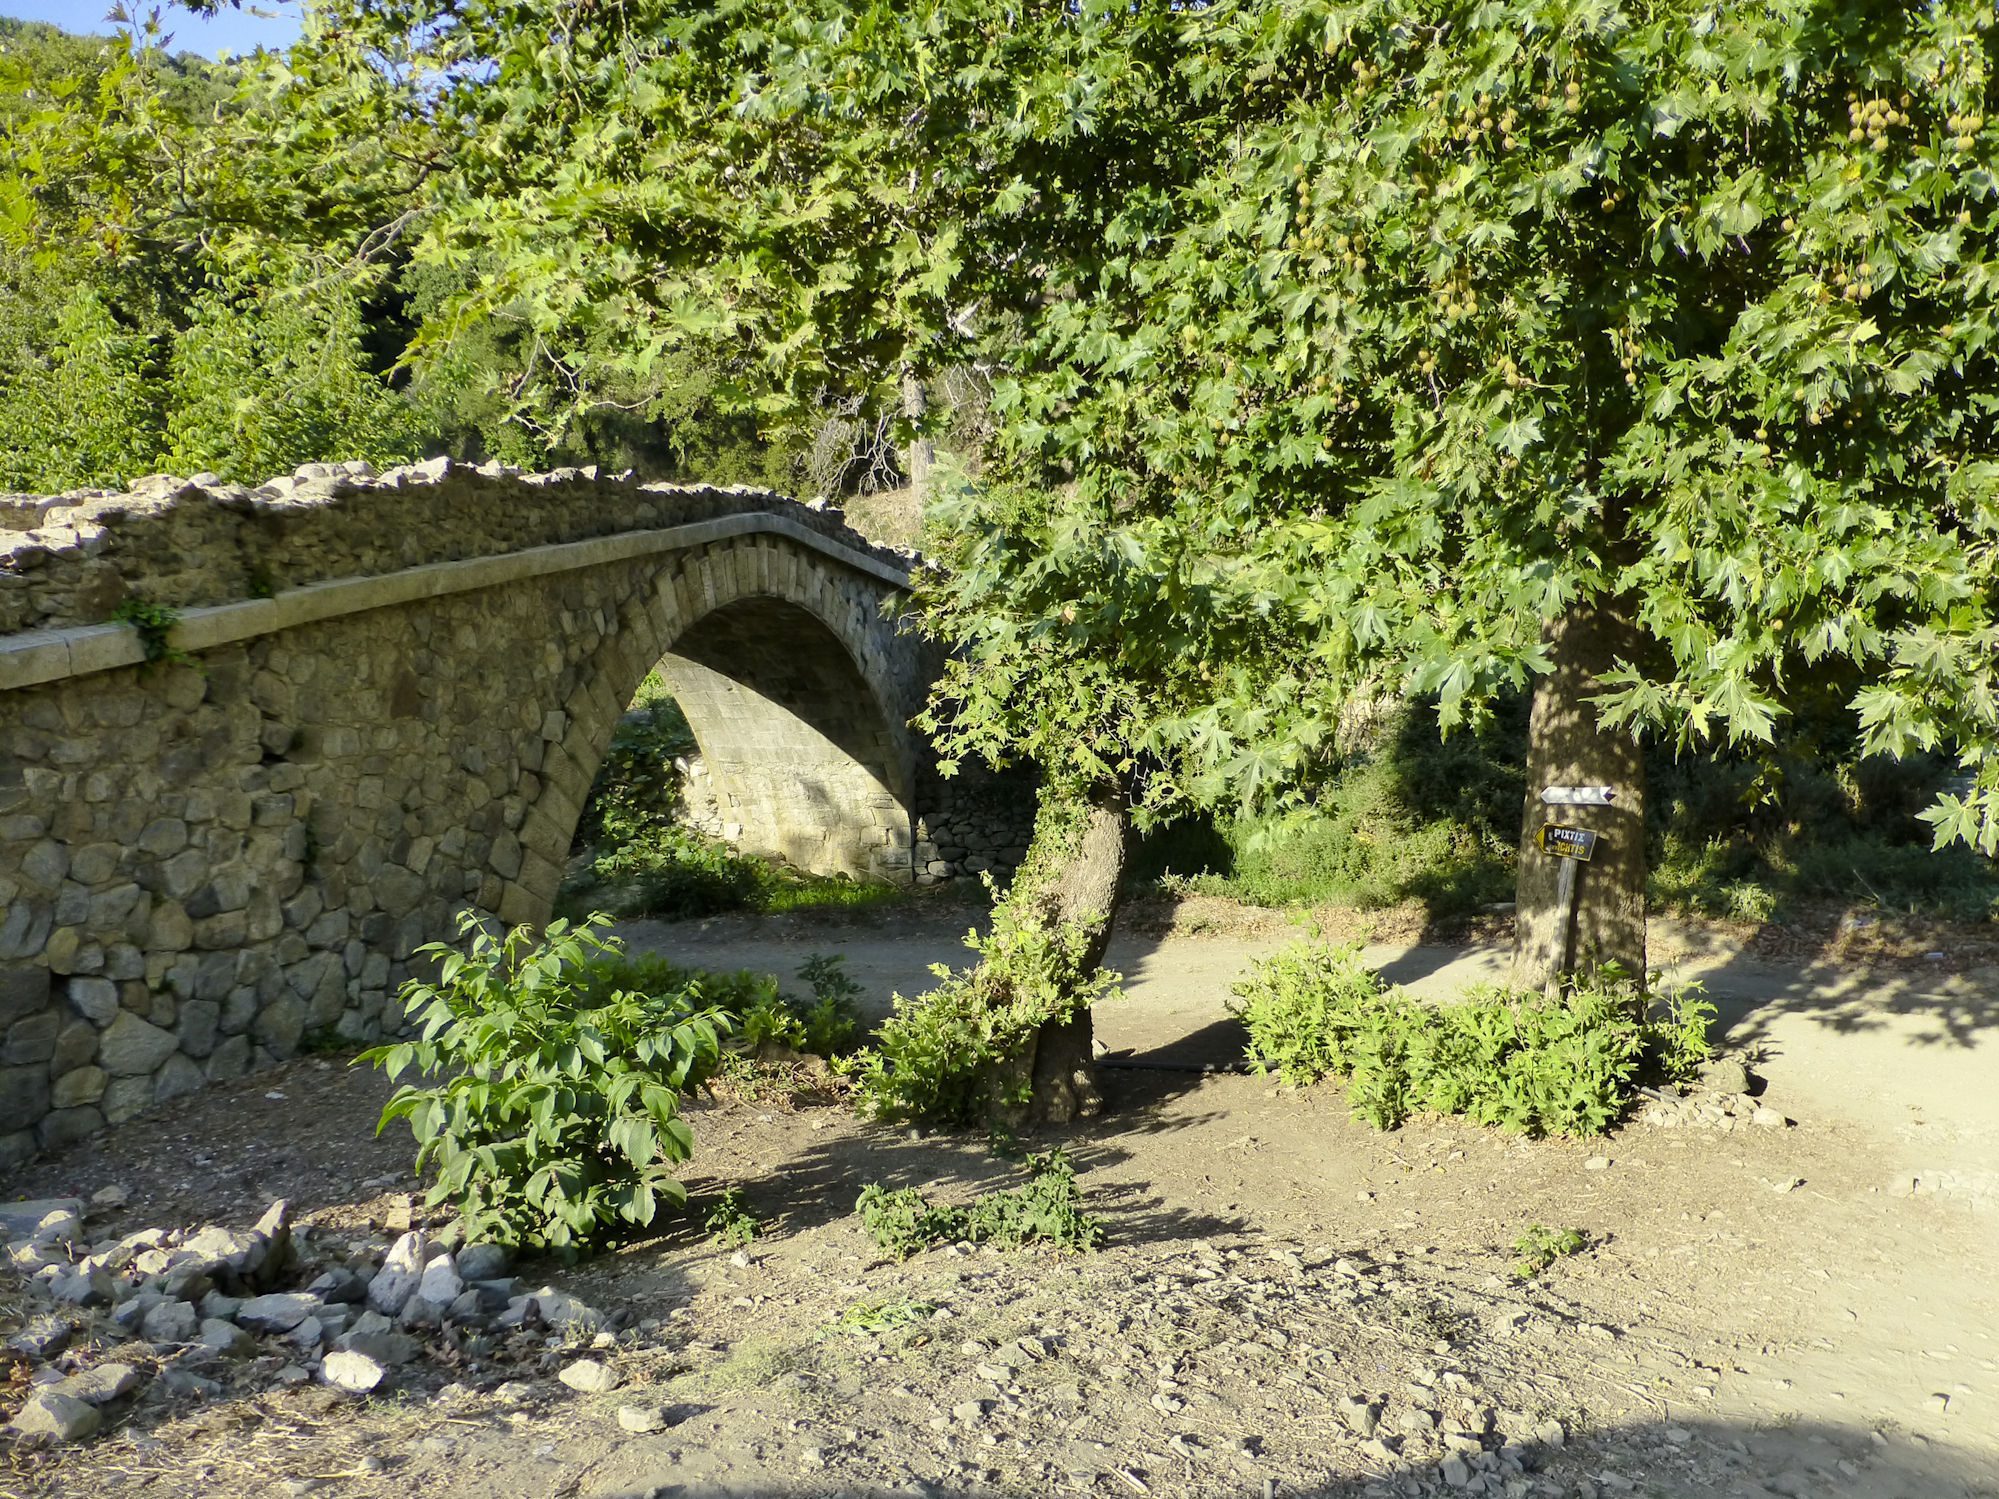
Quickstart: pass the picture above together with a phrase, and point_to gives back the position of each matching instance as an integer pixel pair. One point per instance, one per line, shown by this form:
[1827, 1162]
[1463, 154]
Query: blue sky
[238, 31]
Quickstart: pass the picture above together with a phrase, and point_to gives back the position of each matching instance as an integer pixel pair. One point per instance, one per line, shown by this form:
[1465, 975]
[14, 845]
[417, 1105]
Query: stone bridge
[384, 702]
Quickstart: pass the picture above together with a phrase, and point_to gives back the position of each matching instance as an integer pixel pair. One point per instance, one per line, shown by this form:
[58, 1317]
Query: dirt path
[1809, 1311]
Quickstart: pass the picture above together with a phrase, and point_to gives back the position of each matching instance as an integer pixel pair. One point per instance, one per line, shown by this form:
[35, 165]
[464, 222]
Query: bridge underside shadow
[805, 764]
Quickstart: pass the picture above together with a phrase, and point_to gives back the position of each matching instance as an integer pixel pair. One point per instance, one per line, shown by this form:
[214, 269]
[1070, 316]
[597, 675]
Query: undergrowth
[1048, 1209]
[780, 1043]
[554, 1117]
[941, 1055]
[1522, 1062]
[1413, 816]
[730, 1223]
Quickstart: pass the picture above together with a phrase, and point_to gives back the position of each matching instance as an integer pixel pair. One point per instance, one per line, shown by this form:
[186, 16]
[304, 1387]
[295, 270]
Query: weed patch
[1048, 1209]
[937, 1056]
[730, 1223]
[1523, 1062]
[882, 1315]
[557, 1116]
[1541, 1246]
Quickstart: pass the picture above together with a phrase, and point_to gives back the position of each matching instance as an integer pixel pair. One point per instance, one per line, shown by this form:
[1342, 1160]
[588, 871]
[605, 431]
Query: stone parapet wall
[71, 560]
[978, 820]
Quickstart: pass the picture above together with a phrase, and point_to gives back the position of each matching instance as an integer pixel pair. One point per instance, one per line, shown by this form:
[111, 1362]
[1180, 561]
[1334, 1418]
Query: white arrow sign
[1577, 796]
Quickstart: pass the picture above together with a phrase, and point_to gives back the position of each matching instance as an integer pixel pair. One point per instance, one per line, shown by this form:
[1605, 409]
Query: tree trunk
[1567, 747]
[1073, 872]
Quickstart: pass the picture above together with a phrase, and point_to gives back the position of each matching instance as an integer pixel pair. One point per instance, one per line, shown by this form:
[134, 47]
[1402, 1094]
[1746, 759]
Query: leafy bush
[939, 1056]
[905, 1222]
[558, 1114]
[1523, 1062]
[759, 1013]
[1048, 1209]
[1415, 816]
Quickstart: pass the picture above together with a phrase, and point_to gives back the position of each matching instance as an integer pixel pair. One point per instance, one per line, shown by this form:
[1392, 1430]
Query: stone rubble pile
[1721, 1101]
[185, 1299]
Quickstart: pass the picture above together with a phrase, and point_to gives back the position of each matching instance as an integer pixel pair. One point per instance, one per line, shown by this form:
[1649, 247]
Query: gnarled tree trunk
[1566, 746]
[1072, 875]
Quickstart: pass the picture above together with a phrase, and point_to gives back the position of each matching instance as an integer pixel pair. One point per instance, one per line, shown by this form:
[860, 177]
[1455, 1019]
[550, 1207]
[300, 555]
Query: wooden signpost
[1574, 847]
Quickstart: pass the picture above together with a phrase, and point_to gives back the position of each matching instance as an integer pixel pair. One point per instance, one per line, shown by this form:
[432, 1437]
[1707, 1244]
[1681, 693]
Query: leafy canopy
[1334, 347]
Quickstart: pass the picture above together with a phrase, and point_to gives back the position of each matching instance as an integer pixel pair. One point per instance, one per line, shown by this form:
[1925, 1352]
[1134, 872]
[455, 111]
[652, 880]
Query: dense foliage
[1523, 1062]
[1335, 346]
[555, 1117]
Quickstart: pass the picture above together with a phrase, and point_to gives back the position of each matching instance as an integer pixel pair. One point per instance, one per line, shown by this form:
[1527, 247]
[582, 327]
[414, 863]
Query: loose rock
[56, 1416]
[641, 1419]
[590, 1377]
[353, 1372]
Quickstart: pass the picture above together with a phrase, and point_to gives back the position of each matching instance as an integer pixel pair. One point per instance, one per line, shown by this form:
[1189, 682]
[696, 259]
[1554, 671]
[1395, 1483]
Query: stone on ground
[590, 1377]
[100, 1386]
[279, 1311]
[353, 1372]
[50, 1413]
[641, 1419]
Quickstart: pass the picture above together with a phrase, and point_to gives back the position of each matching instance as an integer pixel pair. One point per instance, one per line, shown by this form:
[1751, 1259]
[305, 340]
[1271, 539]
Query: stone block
[124, 961]
[32, 1039]
[239, 1011]
[130, 1047]
[25, 927]
[111, 909]
[178, 1075]
[126, 1098]
[163, 837]
[63, 945]
[200, 1021]
[170, 929]
[214, 975]
[76, 1044]
[230, 1059]
[24, 989]
[80, 1086]
[94, 863]
[279, 1025]
[24, 1097]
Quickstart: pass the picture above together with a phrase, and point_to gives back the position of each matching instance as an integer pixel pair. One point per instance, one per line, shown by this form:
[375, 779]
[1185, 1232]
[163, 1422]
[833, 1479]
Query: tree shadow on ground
[821, 1184]
[1688, 1459]
[1956, 1011]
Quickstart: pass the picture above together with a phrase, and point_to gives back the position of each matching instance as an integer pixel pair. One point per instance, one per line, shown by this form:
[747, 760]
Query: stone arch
[789, 672]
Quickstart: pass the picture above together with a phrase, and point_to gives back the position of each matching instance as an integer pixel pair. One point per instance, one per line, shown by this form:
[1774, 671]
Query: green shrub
[940, 1056]
[557, 1116]
[1048, 1209]
[1524, 1062]
[758, 1012]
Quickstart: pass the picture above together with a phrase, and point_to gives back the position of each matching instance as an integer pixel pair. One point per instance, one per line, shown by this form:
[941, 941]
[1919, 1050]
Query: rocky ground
[1288, 1304]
